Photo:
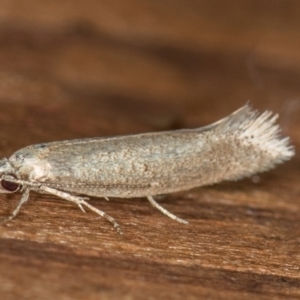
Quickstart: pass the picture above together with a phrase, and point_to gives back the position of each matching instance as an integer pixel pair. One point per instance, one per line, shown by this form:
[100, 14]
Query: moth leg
[165, 212]
[79, 201]
[24, 198]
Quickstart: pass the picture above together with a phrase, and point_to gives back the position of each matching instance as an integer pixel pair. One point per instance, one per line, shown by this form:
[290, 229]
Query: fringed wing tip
[259, 128]
[264, 132]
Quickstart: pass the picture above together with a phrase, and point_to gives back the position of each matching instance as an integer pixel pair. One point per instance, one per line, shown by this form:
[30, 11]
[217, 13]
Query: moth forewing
[145, 165]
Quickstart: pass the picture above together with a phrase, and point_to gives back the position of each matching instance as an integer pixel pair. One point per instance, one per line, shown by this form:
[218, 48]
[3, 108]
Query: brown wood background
[72, 69]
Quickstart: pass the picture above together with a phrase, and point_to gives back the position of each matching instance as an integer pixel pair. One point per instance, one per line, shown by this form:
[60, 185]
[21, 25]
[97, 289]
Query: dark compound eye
[10, 186]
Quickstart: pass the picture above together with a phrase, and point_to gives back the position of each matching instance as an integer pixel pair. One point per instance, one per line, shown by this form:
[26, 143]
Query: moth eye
[10, 186]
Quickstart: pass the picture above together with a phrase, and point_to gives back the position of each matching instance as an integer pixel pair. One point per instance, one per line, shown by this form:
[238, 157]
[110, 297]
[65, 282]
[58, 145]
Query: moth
[148, 164]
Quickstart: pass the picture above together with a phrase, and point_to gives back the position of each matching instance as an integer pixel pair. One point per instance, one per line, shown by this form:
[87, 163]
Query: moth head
[8, 177]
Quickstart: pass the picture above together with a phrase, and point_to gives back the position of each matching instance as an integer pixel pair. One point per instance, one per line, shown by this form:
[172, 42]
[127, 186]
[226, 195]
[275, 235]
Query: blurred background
[73, 69]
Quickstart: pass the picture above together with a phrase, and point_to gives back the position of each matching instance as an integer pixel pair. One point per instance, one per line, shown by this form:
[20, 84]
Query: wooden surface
[71, 70]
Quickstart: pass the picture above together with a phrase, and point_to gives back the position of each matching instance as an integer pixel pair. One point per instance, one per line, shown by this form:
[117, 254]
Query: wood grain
[69, 70]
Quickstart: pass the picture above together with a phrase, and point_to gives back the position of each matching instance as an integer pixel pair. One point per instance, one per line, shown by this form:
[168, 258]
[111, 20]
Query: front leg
[80, 202]
[24, 199]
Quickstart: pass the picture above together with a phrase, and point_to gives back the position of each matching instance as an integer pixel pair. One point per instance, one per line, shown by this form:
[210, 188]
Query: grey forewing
[115, 160]
[156, 162]
[147, 164]
[136, 160]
